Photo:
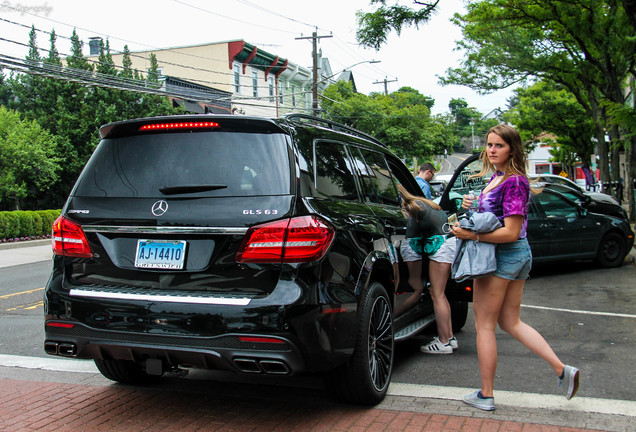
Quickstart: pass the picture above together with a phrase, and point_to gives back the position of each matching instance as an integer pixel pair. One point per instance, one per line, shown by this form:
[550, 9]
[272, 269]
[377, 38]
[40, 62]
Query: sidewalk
[12, 254]
[38, 397]
[51, 401]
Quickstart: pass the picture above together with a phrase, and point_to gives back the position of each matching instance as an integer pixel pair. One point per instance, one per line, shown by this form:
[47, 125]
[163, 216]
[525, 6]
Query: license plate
[160, 254]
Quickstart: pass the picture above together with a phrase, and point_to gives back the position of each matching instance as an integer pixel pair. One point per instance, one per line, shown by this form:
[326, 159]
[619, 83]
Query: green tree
[587, 46]
[548, 108]
[6, 94]
[374, 27]
[28, 162]
[402, 119]
[74, 111]
[408, 96]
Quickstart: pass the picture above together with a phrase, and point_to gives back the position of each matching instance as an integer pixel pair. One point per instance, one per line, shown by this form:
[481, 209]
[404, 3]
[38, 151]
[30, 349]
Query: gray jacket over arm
[475, 259]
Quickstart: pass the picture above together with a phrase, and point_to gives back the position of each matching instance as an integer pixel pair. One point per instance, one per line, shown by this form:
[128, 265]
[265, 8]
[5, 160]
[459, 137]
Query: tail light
[179, 125]
[69, 239]
[295, 240]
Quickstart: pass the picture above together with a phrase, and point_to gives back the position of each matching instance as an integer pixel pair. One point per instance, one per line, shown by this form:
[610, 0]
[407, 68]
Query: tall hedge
[26, 224]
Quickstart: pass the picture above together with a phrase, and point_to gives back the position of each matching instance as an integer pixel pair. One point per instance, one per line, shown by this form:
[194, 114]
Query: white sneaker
[437, 347]
[453, 342]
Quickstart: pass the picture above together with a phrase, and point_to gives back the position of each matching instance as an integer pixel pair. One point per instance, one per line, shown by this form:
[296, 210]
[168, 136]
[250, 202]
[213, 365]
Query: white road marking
[515, 399]
[584, 312]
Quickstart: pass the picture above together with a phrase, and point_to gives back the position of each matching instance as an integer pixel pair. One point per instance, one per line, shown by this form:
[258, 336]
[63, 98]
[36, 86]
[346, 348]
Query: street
[587, 314]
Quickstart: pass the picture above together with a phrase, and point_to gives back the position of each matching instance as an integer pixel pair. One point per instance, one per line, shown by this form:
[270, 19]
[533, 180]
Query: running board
[414, 328]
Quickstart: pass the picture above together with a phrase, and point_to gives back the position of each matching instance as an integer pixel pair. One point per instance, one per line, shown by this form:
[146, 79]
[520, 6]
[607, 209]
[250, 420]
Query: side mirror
[583, 212]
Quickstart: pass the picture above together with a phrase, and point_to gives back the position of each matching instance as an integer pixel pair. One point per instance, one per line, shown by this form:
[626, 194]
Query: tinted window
[218, 164]
[334, 176]
[376, 177]
[567, 192]
[556, 207]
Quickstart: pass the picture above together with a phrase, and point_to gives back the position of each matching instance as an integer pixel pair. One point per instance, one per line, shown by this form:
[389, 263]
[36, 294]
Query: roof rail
[332, 125]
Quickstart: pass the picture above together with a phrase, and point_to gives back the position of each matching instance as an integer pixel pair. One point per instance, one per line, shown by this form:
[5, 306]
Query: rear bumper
[264, 339]
[227, 352]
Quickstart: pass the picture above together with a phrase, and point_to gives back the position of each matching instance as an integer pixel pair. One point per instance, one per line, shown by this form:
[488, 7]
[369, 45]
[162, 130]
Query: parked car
[559, 229]
[551, 179]
[260, 246]
[586, 201]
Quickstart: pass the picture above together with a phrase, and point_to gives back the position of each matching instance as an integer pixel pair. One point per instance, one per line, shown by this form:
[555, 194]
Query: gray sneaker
[453, 342]
[570, 381]
[474, 400]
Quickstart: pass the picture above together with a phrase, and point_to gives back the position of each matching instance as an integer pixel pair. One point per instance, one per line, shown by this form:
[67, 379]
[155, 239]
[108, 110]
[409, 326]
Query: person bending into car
[425, 220]
[497, 297]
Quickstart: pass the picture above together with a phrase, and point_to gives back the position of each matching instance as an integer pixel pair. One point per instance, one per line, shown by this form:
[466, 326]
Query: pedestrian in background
[426, 220]
[424, 175]
[497, 297]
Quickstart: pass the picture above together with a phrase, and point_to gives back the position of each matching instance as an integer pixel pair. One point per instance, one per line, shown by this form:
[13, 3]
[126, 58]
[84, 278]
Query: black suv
[260, 246]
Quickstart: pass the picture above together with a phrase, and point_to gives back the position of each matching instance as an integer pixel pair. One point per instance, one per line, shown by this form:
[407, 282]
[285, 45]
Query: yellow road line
[6, 296]
[31, 306]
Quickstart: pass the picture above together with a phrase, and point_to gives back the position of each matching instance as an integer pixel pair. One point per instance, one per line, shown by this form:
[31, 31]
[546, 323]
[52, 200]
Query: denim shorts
[514, 260]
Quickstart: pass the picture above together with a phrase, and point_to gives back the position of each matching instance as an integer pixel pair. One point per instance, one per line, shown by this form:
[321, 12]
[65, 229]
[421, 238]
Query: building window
[237, 78]
[293, 96]
[255, 83]
[272, 89]
[281, 93]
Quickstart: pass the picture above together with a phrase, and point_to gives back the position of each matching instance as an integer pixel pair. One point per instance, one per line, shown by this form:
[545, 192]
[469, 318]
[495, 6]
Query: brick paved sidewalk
[51, 406]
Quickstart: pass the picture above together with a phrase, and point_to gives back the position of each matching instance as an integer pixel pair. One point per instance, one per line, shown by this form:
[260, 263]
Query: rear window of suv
[194, 164]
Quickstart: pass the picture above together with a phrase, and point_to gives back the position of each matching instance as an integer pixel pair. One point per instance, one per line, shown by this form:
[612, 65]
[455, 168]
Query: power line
[158, 50]
[97, 79]
[349, 52]
[230, 18]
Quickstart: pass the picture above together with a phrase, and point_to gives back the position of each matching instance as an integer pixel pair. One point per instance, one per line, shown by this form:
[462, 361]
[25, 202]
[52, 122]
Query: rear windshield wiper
[186, 189]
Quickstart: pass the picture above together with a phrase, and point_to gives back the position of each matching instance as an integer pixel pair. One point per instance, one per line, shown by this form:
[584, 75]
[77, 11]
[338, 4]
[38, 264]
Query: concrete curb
[26, 243]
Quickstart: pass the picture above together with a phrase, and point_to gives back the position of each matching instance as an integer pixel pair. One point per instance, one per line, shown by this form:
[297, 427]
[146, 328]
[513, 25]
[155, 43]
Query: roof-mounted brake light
[179, 125]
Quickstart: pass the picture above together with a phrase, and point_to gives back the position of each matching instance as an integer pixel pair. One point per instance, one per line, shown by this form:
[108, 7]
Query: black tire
[365, 378]
[459, 314]
[611, 250]
[125, 372]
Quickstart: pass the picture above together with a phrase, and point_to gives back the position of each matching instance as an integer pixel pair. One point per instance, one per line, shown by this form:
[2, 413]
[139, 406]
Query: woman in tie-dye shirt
[497, 297]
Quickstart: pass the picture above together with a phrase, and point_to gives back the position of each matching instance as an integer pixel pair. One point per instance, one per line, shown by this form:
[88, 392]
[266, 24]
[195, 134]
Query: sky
[415, 58]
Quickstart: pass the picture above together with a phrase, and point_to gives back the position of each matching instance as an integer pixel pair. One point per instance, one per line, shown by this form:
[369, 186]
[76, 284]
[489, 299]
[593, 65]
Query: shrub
[25, 221]
[3, 225]
[26, 224]
[37, 223]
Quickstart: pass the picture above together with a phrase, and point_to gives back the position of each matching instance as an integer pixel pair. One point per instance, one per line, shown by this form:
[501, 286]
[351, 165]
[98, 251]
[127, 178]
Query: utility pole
[385, 82]
[314, 90]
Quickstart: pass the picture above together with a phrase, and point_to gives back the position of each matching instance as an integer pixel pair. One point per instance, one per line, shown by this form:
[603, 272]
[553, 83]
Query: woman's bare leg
[510, 322]
[438, 274]
[415, 281]
[488, 297]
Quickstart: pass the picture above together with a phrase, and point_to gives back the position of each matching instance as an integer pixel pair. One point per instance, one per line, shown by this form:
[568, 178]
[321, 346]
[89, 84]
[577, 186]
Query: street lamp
[349, 67]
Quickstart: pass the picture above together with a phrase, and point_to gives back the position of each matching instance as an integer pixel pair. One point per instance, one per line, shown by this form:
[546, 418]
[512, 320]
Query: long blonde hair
[410, 208]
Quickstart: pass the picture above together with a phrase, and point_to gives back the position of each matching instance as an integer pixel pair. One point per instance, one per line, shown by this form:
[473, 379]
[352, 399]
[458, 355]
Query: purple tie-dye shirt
[512, 197]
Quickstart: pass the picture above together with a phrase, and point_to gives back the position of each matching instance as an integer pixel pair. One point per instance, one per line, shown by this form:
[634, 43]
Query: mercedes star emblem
[159, 208]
